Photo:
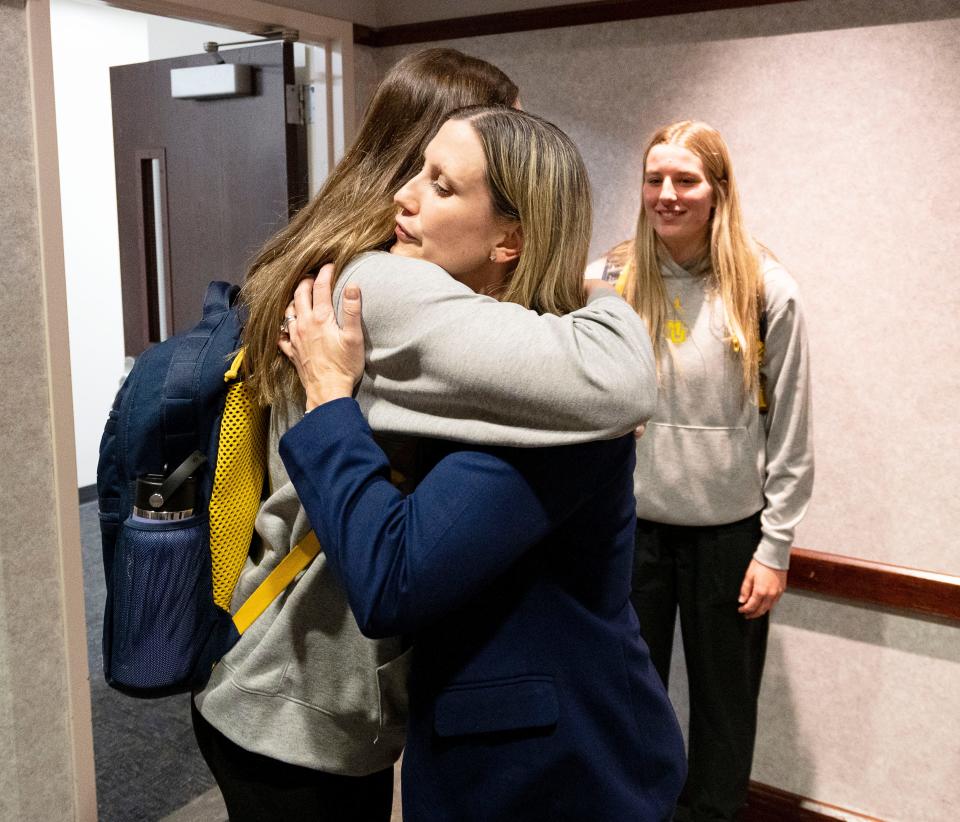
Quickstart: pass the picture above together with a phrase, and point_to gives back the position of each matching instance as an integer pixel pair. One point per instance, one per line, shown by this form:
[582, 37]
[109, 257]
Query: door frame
[256, 17]
[244, 15]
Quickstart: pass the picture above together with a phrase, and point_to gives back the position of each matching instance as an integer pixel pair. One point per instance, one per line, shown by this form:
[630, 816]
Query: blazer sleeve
[405, 561]
[445, 362]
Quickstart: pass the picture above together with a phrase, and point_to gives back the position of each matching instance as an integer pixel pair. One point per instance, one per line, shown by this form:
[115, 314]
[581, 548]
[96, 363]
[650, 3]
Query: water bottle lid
[149, 499]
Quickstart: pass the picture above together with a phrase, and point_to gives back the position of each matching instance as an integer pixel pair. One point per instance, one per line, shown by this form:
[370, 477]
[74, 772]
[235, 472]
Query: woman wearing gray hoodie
[725, 466]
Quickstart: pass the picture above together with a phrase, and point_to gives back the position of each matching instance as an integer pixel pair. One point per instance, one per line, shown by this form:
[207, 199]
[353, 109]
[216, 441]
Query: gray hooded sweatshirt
[708, 457]
[303, 685]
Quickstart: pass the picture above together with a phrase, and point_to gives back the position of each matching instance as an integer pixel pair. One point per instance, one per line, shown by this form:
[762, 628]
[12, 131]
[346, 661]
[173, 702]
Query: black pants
[257, 788]
[700, 569]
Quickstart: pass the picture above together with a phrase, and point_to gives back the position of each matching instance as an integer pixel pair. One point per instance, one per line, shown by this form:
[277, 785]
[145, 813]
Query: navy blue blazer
[532, 696]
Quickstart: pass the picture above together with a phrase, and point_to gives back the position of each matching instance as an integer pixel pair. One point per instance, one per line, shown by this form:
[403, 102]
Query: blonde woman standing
[725, 466]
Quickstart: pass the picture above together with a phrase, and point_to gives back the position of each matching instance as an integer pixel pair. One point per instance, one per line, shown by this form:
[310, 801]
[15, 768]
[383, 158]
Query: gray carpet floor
[147, 762]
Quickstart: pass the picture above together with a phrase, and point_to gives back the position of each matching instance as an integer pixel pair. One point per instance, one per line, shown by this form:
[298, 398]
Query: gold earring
[493, 256]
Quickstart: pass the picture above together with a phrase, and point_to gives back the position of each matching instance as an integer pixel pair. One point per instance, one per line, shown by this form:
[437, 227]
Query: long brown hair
[537, 178]
[734, 256]
[354, 211]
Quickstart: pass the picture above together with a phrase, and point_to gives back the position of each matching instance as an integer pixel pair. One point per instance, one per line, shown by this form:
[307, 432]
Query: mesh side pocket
[237, 486]
[162, 612]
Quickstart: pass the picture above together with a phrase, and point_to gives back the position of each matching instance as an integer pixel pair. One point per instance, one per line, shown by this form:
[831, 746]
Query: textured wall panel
[36, 779]
[842, 118]
[9, 790]
[831, 132]
[859, 708]
[366, 76]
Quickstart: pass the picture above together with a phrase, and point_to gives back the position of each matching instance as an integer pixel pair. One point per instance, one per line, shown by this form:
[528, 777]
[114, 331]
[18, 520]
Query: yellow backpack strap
[616, 269]
[234, 371]
[241, 490]
[280, 577]
[238, 479]
[621, 282]
[761, 354]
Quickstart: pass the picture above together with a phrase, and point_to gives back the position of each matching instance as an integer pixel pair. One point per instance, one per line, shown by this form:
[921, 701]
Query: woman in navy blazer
[532, 696]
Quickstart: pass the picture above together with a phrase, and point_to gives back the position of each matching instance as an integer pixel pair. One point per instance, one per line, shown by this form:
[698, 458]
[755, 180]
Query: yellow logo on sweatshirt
[676, 331]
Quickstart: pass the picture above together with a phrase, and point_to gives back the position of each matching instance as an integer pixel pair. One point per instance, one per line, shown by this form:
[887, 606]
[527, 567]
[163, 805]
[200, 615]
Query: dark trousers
[700, 569]
[257, 788]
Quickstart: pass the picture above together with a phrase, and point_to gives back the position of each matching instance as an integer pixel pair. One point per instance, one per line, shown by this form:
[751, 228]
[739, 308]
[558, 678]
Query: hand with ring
[329, 358]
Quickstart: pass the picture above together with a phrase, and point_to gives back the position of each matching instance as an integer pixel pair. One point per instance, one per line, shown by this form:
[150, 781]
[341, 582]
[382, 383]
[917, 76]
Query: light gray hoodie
[303, 685]
[708, 456]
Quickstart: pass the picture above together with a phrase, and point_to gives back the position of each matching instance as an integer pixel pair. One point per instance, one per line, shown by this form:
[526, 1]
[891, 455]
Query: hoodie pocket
[697, 475]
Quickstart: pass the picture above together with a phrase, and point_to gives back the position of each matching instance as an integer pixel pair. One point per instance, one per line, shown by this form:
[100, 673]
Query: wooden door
[201, 183]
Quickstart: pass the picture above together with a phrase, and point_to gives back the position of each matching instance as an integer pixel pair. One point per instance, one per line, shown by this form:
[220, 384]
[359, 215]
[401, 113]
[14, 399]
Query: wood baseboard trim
[547, 17]
[877, 583]
[768, 804]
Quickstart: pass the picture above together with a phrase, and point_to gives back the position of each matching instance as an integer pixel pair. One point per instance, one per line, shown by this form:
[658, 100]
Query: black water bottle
[167, 498]
[150, 504]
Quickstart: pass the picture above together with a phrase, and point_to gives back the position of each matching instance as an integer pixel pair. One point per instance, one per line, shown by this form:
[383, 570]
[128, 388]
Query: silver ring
[285, 325]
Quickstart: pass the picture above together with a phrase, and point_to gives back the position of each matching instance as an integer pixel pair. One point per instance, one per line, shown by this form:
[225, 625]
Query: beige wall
[367, 73]
[364, 12]
[46, 770]
[842, 117]
[842, 139]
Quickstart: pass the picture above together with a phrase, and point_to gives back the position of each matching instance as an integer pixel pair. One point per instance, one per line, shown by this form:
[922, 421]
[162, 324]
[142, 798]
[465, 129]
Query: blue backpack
[166, 620]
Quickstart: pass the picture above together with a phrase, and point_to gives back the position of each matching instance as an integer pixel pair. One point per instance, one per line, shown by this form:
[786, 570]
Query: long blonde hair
[537, 178]
[354, 211]
[734, 257]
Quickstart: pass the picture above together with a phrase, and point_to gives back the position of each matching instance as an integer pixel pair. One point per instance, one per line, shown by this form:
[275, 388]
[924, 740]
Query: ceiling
[381, 13]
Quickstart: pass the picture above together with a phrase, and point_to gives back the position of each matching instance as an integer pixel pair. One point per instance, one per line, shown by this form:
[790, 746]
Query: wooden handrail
[765, 802]
[877, 583]
[547, 17]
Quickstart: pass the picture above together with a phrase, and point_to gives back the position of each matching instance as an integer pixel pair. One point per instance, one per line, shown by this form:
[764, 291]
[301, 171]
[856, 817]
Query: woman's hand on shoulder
[762, 587]
[328, 357]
